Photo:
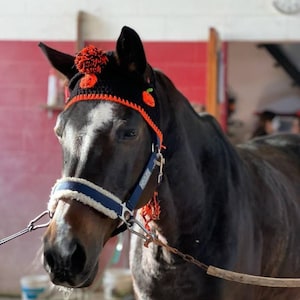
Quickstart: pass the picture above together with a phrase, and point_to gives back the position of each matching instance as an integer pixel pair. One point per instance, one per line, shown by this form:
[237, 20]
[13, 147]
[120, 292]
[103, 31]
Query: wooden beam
[80, 38]
[212, 106]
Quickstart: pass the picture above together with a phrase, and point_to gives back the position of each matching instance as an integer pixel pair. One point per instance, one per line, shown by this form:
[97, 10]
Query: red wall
[185, 65]
[183, 62]
[30, 155]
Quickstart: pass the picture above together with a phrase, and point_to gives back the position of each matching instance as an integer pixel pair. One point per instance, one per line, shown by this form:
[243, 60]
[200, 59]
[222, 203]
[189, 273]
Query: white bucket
[34, 286]
[117, 284]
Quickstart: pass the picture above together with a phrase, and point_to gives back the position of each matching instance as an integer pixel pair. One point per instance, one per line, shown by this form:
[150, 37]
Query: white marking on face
[97, 119]
[102, 114]
[69, 139]
[63, 229]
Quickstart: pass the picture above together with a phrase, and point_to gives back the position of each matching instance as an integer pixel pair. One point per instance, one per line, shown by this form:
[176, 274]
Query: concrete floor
[73, 296]
[61, 296]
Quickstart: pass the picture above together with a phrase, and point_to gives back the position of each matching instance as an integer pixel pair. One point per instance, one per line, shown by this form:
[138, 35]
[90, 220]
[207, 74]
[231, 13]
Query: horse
[136, 153]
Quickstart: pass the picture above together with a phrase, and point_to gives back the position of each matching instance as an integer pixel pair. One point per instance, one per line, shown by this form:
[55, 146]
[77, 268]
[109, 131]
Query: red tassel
[151, 211]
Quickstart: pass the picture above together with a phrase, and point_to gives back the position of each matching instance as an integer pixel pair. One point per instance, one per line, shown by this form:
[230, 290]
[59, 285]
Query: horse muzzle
[66, 264]
[71, 248]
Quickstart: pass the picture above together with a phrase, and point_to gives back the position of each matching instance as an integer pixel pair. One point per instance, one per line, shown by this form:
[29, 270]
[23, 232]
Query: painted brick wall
[183, 62]
[30, 155]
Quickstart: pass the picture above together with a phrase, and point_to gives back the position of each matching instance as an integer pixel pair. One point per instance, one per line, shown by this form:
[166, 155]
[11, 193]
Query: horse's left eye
[58, 131]
[129, 134]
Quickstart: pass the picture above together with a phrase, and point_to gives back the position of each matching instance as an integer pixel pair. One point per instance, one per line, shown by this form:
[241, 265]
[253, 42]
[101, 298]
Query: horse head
[108, 132]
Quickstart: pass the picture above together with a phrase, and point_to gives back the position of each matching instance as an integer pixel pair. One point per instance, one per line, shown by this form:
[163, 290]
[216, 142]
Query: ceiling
[287, 56]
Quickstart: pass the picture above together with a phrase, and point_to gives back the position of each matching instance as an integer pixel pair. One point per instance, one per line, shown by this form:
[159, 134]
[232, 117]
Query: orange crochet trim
[98, 97]
[151, 211]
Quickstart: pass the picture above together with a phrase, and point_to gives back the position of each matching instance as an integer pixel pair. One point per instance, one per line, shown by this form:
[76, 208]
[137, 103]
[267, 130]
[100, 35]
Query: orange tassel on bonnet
[151, 211]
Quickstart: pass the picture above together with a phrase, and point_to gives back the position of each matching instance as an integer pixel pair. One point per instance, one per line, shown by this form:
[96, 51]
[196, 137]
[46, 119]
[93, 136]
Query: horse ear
[130, 51]
[63, 62]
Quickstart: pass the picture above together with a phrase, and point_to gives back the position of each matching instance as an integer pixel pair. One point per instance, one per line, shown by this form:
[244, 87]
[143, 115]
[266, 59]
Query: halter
[92, 86]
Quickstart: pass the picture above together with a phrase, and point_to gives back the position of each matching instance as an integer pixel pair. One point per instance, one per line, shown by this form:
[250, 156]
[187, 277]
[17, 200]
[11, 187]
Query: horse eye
[129, 134]
[58, 132]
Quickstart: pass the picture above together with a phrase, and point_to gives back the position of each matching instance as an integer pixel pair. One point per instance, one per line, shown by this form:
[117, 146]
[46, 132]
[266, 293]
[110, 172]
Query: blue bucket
[33, 287]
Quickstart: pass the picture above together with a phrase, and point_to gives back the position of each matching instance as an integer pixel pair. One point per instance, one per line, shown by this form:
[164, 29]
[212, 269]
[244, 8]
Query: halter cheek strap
[99, 198]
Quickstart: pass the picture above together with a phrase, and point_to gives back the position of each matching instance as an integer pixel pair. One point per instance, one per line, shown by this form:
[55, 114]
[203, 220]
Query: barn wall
[30, 156]
[255, 80]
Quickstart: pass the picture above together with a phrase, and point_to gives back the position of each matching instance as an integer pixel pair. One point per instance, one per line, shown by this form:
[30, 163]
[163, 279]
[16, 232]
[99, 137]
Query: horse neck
[200, 170]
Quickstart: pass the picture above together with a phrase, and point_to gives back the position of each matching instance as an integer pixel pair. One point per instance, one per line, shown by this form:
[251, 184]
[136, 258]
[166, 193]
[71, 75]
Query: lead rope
[149, 237]
[30, 227]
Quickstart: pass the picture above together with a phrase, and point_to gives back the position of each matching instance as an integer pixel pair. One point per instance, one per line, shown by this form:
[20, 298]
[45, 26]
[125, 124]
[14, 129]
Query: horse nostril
[65, 261]
[78, 259]
[49, 259]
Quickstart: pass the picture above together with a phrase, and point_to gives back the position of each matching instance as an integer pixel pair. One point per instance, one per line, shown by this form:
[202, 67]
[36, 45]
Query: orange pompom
[148, 98]
[90, 60]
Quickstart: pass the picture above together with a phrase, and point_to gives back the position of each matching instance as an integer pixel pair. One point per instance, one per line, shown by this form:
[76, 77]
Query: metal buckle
[147, 235]
[126, 215]
[30, 227]
[160, 161]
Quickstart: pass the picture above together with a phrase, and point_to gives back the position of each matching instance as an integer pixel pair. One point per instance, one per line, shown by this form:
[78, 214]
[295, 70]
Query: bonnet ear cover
[62, 62]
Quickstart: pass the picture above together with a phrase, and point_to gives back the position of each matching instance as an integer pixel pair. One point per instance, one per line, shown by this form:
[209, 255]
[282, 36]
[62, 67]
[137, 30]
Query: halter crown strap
[99, 198]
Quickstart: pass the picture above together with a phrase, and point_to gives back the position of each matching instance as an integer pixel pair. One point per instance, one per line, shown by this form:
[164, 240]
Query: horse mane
[206, 135]
[211, 168]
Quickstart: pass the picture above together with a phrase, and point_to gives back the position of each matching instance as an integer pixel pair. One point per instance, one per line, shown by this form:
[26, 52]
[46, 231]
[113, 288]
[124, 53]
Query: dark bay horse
[236, 208]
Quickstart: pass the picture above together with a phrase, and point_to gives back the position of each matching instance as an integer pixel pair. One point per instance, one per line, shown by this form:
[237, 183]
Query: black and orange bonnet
[100, 78]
